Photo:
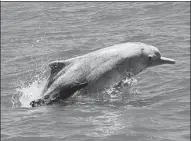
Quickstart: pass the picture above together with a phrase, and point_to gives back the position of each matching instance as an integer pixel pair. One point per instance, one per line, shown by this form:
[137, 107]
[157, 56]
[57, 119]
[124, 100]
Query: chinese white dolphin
[98, 70]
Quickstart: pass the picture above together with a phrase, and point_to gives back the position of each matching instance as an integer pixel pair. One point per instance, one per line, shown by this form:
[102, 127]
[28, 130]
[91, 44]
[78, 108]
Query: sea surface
[155, 106]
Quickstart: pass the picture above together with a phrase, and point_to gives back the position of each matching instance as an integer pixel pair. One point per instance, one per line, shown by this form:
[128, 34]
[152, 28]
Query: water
[155, 108]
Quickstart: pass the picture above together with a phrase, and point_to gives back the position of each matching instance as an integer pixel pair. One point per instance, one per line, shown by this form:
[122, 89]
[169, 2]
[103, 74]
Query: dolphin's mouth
[164, 60]
[161, 61]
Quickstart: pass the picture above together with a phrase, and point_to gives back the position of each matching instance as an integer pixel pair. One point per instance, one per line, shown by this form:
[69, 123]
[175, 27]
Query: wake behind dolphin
[98, 70]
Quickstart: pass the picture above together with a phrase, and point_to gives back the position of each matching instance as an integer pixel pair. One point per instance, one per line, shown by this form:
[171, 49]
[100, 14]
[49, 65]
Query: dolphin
[98, 70]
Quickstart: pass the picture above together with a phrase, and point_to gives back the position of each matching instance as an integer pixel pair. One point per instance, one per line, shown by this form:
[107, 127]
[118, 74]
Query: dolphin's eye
[150, 58]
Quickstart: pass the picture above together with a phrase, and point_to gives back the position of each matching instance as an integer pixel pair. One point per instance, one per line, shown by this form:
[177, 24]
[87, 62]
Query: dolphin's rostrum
[98, 70]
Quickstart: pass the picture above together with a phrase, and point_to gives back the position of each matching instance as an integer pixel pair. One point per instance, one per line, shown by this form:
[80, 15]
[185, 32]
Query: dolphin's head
[146, 56]
[152, 57]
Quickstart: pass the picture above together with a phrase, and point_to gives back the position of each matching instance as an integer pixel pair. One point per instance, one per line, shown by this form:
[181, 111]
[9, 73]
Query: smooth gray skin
[100, 69]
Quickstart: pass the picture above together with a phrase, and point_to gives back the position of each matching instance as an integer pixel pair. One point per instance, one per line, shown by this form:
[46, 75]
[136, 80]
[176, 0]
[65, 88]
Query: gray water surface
[35, 33]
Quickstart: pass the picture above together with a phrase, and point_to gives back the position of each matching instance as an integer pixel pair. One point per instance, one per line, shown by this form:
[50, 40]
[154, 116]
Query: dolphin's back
[91, 66]
[69, 76]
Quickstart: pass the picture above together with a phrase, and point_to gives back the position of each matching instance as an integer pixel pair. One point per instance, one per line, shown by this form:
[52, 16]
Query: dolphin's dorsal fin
[56, 66]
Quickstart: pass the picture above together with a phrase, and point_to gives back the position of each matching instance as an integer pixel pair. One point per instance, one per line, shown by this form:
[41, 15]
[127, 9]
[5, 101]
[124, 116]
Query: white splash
[26, 94]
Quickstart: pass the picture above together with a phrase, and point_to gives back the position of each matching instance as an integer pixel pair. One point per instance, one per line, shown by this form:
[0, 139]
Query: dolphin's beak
[164, 60]
[161, 61]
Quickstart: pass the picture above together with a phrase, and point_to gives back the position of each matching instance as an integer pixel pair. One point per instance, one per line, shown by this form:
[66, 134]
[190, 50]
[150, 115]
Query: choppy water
[155, 108]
